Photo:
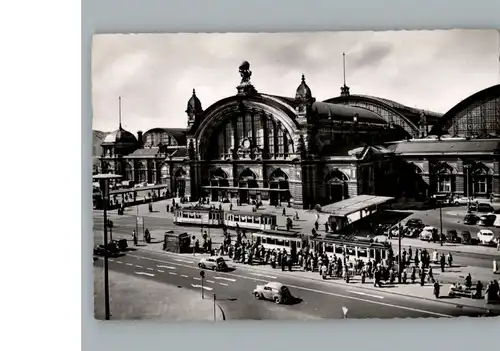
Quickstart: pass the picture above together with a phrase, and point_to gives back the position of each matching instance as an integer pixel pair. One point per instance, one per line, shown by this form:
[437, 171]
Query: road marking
[110, 259]
[176, 259]
[210, 281]
[138, 266]
[314, 290]
[159, 270]
[263, 275]
[196, 278]
[184, 276]
[119, 262]
[150, 269]
[223, 284]
[167, 267]
[129, 264]
[172, 273]
[204, 287]
[224, 278]
[364, 294]
[144, 273]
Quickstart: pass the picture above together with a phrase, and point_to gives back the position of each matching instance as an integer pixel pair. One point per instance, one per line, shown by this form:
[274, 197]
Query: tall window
[248, 126]
[141, 172]
[221, 143]
[164, 172]
[281, 145]
[128, 172]
[259, 132]
[444, 183]
[270, 128]
[239, 128]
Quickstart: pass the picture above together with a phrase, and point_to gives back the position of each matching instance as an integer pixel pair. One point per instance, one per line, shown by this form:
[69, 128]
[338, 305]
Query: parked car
[215, 263]
[427, 233]
[470, 219]
[415, 223]
[465, 237]
[485, 208]
[461, 200]
[452, 236]
[273, 291]
[486, 237]
[112, 251]
[487, 220]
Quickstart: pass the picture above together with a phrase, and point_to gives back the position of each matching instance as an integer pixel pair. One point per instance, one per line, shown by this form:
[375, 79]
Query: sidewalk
[134, 298]
[451, 275]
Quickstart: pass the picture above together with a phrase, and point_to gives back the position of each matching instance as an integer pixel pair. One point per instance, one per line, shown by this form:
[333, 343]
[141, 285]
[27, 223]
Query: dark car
[452, 236]
[465, 237]
[470, 219]
[112, 250]
[486, 208]
[415, 223]
[486, 220]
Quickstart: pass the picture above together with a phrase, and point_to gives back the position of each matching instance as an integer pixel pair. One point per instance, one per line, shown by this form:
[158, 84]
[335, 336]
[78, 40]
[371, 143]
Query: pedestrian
[450, 259]
[134, 234]
[436, 289]
[443, 262]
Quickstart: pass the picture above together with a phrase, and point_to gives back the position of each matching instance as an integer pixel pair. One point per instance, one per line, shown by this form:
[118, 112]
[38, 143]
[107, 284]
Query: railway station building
[254, 145]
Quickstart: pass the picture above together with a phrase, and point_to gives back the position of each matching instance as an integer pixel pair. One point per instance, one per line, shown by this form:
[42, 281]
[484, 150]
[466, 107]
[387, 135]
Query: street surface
[124, 226]
[315, 299]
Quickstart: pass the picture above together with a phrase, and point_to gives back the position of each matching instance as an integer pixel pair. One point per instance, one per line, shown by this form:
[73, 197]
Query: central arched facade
[279, 187]
[250, 128]
[248, 186]
[219, 183]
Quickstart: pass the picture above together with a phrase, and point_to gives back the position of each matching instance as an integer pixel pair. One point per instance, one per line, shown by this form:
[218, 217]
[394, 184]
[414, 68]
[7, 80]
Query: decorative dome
[120, 136]
[194, 104]
[303, 91]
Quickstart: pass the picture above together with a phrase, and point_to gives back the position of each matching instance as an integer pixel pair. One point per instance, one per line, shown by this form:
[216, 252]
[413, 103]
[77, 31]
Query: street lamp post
[104, 185]
[467, 192]
[400, 266]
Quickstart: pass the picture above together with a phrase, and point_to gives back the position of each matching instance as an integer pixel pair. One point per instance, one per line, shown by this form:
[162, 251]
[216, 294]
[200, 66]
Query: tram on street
[199, 216]
[355, 248]
[249, 220]
[279, 240]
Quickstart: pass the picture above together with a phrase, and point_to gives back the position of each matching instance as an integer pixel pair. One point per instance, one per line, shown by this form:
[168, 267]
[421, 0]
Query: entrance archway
[218, 185]
[180, 182]
[336, 186]
[279, 190]
[247, 185]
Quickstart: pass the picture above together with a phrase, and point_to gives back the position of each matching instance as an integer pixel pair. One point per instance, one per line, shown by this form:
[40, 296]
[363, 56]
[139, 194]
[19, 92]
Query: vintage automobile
[470, 219]
[487, 220]
[415, 223]
[485, 208]
[427, 233]
[215, 263]
[112, 250]
[452, 236]
[486, 237]
[273, 291]
[465, 237]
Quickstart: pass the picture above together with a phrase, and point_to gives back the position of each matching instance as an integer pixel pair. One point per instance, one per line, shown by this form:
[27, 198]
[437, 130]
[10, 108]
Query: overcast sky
[156, 73]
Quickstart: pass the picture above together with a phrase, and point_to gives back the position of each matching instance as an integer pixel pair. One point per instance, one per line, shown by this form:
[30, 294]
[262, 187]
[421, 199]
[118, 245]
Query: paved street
[124, 225]
[316, 299]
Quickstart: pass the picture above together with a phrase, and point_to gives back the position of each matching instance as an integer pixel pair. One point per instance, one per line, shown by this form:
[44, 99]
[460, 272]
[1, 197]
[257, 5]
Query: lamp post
[104, 185]
[400, 266]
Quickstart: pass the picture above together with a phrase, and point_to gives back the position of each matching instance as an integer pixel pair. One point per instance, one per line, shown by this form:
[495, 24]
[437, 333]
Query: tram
[199, 216]
[279, 240]
[249, 220]
[355, 248]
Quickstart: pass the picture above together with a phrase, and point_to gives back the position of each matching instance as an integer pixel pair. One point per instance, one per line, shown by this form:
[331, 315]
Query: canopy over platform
[355, 204]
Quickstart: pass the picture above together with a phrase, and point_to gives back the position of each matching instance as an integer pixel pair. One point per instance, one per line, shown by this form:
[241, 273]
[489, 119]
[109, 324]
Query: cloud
[155, 73]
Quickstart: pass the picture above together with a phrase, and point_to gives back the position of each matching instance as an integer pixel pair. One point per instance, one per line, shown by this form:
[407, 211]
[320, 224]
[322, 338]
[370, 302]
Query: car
[415, 223]
[465, 237]
[487, 220]
[470, 219]
[452, 236]
[461, 200]
[273, 291]
[111, 251]
[485, 208]
[427, 233]
[486, 237]
[215, 263]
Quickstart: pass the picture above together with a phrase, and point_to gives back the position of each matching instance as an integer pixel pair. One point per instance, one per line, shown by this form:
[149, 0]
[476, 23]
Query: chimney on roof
[139, 139]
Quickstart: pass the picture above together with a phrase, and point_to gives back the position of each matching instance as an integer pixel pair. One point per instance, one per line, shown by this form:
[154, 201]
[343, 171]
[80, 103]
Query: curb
[495, 308]
[221, 312]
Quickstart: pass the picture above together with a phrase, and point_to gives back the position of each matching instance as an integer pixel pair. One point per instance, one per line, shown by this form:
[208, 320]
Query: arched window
[164, 173]
[141, 172]
[128, 172]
